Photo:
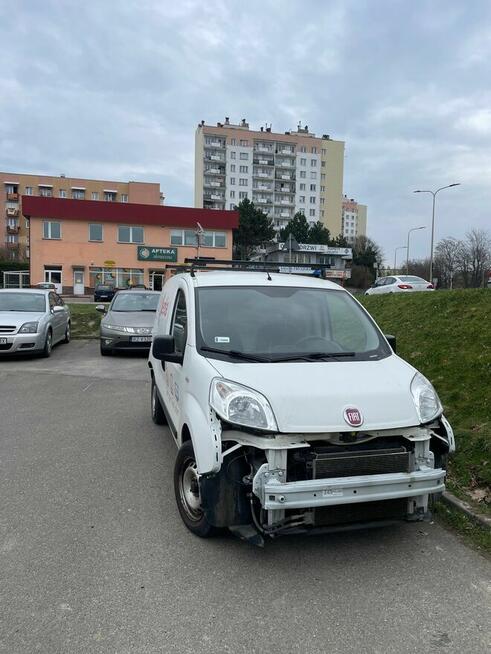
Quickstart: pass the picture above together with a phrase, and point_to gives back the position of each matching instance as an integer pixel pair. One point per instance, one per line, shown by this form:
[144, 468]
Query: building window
[232, 181]
[62, 193]
[51, 230]
[242, 181]
[127, 234]
[303, 162]
[243, 143]
[312, 199]
[45, 192]
[28, 190]
[324, 151]
[232, 206]
[27, 223]
[124, 197]
[244, 169]
[303, 148]
[302, 199]
[302, 187]
[232, 194]
[323, 176]
[323, 189]
[322, 213]
[323, 164]
[189, 237]
[233, 154]
[312, 212]
[312, 187]
[313, 175]
[109, 196]
[313, 163]
[118, 277]
[303, 174]
[233, 141]
[322, 200]
[242, 195]
[95, 195]
[95, 232]
[244, 156]
[78, 194]
[314, 150]
[12, 238]
[232, 168]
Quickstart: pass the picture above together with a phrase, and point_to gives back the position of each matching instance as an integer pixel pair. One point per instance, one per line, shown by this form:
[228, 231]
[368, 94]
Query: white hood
[312, 397]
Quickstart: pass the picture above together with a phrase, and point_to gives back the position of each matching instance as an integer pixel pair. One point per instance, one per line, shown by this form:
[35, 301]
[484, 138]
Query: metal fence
[16, 279]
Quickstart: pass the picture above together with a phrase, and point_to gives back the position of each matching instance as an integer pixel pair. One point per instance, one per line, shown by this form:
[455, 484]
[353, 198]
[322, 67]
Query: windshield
[282, 321]
[104, 288]
[135, 301]
[31, 302]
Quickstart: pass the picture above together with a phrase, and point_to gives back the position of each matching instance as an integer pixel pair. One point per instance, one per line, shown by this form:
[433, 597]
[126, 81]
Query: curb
[467, 509]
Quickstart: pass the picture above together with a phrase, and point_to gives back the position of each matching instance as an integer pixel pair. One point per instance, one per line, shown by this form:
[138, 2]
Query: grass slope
[447, 336]
[85, 320]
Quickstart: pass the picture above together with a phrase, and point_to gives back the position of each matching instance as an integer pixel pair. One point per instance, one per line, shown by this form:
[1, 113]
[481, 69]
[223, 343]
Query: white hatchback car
[399, 284]
[290, 410]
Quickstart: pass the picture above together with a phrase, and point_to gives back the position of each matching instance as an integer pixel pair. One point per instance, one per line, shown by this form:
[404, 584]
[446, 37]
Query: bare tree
[446, 261]
[479, 253]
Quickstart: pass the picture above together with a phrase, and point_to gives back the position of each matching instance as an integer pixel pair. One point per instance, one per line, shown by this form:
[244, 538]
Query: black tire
[67, 333]
[48, 344]
[186, 488]
[158, 415]
[105, 351]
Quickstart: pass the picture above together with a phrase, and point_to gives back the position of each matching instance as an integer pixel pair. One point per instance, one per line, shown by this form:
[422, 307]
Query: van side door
[173, 372]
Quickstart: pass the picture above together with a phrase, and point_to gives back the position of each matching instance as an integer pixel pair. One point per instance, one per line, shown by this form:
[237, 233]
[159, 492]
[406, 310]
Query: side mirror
[392, 342]
[100, 308]
[164, 349]
[57, 309]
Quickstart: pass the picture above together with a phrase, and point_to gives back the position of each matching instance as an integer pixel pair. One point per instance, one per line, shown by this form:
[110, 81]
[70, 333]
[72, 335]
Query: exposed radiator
[360, 462]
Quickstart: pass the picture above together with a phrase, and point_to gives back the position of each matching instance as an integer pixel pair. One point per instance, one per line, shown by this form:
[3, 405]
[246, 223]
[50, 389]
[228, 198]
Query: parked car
[32, 321]
[399, 284]
[128, 323]
[45, 286]
[289, 407]
[104, 292]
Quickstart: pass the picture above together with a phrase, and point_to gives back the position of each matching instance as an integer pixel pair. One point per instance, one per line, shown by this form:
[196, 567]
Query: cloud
[116, 89]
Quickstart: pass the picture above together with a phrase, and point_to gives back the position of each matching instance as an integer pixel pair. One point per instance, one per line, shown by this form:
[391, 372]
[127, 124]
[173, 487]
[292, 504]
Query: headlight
[115, 327]
[29, 328]
[425, 397]
[241, 405]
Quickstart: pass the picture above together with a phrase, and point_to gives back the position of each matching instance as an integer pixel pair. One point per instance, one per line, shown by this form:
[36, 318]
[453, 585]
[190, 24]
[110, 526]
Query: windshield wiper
[236, 354]
[314, 356]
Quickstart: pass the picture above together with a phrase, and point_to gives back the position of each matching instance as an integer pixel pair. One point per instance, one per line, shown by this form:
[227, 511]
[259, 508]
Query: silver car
[32, 321]
[128, 323]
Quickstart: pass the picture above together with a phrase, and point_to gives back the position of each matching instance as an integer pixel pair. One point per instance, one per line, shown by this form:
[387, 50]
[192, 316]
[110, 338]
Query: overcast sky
[114, 89]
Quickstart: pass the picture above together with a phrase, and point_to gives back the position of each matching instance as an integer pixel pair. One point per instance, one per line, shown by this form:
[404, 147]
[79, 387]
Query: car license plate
[141, 339]
[3, 341]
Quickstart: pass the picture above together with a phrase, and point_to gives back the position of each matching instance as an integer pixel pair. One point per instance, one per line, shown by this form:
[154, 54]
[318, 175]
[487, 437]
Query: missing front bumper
[276, 495]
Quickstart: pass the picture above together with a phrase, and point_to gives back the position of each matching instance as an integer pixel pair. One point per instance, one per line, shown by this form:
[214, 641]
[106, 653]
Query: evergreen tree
[255, 228]
[298, 227]
[318, 233]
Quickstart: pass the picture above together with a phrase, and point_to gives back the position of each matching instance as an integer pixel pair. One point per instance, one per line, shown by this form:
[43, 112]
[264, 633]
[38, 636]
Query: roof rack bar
[255, 265]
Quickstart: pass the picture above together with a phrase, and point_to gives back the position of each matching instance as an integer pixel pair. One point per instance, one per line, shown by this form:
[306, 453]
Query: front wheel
[158, 415]
[187, 490]
[67, 333]
[48, 344]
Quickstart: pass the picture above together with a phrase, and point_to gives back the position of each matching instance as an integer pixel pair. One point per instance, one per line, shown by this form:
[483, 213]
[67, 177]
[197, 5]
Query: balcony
[213, 205]
[215, 157]
[260, 186]
[214, 183]
[288, 176]
[284, 200]
[12, 212]
[285, 150]
[261, 161]
[215, 171]
[215, 143]
[261, 147]
[13, 229]
[13, 197]
[266, 174]
[12, 246]
[284, 189]
[284, 163]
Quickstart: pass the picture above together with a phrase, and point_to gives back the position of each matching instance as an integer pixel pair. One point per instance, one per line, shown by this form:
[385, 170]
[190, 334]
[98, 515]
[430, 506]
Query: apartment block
[354, 219]
[282, 173]
[15, 227]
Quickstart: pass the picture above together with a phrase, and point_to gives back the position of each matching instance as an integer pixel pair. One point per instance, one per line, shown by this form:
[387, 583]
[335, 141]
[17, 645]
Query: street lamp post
[414, 229]
[401, 247]
[433, 193]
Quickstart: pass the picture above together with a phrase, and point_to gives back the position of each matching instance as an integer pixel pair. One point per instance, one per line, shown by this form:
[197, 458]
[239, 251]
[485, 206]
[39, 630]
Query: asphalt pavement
[94, 557]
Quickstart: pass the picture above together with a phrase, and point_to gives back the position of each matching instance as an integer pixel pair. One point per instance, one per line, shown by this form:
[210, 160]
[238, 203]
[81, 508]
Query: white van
[290, 409]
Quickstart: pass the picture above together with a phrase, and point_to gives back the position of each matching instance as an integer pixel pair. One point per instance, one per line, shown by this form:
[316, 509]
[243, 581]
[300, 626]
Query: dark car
[104, 292]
